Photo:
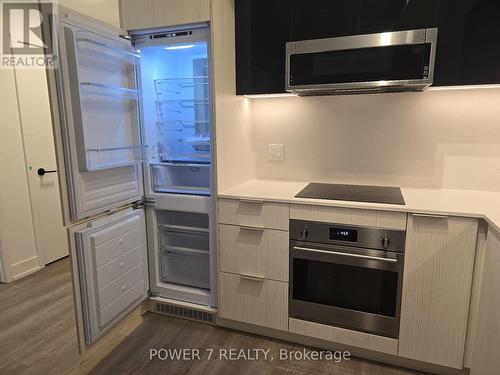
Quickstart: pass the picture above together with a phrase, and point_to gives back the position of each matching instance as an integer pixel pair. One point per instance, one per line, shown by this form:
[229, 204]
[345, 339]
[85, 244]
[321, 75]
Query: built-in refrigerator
[133, 125]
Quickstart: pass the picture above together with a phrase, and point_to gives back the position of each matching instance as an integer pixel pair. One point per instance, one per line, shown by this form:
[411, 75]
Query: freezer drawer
[181, 178]
[182, 219]
[172, 239]
[189, 268]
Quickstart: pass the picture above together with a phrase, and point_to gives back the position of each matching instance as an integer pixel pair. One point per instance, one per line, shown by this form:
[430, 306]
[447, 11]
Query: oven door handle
[388, 260]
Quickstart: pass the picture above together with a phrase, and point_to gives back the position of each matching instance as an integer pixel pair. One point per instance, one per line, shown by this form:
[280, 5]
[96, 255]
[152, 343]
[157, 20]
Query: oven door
[347, 287]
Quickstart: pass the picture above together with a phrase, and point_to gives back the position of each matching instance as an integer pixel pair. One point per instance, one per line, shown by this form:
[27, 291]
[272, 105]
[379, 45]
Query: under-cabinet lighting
[185, 46]
[264, 96]
[385, 39]
[463, 87]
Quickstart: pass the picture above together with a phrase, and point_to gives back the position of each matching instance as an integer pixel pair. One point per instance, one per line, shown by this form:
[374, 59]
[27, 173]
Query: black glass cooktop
[355, 193]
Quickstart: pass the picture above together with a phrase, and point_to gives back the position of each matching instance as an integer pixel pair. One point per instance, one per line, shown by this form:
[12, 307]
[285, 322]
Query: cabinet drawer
[260, 302]
[120, 286]
[353, 216]
[254, 213]
[116, 241]
[262, 253]
[116, 268]
[344, 336]
[131, 296]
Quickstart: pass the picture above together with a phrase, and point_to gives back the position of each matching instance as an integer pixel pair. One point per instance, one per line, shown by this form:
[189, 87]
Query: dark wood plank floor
[38, 336]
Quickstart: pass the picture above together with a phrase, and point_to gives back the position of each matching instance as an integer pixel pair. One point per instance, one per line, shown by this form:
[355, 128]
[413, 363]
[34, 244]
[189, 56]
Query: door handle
[348, 255]
[258, 279]
[42, 171]
[252, 228]
[429, 216]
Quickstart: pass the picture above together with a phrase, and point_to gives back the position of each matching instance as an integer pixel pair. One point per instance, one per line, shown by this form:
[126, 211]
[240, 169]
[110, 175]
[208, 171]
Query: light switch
[275, 152]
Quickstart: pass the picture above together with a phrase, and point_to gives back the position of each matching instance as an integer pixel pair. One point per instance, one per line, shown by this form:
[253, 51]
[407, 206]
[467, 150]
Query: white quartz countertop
[468, 203]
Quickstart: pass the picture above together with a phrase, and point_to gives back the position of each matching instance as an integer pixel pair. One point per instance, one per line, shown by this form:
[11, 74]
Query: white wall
[103, 10]
[438, 139]
[236, 161]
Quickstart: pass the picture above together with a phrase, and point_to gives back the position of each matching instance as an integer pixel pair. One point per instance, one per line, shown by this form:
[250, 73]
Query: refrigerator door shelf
[113, 157]
[100, 90]
[98, 47]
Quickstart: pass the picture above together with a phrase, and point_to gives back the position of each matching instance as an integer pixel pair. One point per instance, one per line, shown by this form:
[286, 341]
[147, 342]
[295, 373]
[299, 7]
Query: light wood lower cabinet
[354, 216]
[255, 301]
[485, 356]
[344, 336]
[258, 252]
[254, 213]
[439, 261]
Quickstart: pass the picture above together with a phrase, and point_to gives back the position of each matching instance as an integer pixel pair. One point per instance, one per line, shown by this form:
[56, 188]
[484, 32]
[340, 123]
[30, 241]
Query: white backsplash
[436, 139]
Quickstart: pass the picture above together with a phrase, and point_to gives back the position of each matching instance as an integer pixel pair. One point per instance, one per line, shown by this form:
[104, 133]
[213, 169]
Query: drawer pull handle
[252, 201]
[259, 279]
[122, 264]
[438, 217]
[124, 287]
[249, 227]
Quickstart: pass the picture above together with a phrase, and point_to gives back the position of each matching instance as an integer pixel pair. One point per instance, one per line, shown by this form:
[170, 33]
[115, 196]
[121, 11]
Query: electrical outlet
[275, 152]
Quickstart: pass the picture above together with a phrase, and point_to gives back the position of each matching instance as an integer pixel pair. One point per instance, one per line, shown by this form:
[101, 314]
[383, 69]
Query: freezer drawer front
[112, 270]
[191, 269]
[97, 107]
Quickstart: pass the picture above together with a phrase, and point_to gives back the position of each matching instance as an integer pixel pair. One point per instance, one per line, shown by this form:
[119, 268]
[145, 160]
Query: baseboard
[328, 345]
[25, 267]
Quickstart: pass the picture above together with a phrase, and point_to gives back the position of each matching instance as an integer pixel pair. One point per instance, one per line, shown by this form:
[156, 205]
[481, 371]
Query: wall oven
[346, 276]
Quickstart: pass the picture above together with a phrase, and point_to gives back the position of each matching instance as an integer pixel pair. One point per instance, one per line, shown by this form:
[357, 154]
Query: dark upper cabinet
[377, 16]
[262, 29]
[468, 50]
[316, 19]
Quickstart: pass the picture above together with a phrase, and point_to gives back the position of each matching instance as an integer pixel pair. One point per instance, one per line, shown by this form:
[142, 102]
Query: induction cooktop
[355, 193]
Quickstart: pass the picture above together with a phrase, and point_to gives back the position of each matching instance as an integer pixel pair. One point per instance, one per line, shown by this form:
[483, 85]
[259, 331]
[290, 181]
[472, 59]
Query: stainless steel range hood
[371, 63]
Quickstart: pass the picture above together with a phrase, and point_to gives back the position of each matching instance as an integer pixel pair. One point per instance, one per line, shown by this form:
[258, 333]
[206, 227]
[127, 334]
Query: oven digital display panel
[343, 234]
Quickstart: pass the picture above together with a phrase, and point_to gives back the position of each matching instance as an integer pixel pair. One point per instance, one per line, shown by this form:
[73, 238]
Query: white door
[98, 105]
[36, 124]
[109, 269]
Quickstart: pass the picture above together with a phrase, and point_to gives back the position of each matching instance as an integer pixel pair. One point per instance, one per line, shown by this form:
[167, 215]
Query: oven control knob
[303, 233]
[385, 242]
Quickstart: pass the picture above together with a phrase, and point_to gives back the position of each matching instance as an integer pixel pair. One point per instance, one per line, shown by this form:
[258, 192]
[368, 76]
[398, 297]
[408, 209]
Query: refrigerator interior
[176, 127]
[174, 82]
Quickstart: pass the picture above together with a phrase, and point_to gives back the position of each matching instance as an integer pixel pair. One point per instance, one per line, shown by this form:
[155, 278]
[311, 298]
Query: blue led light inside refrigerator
[176, 76]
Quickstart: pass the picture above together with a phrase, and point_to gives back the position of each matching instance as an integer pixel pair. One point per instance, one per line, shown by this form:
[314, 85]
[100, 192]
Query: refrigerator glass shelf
[184, 250]
[179, 86]
[98, 89]
[184, 228]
